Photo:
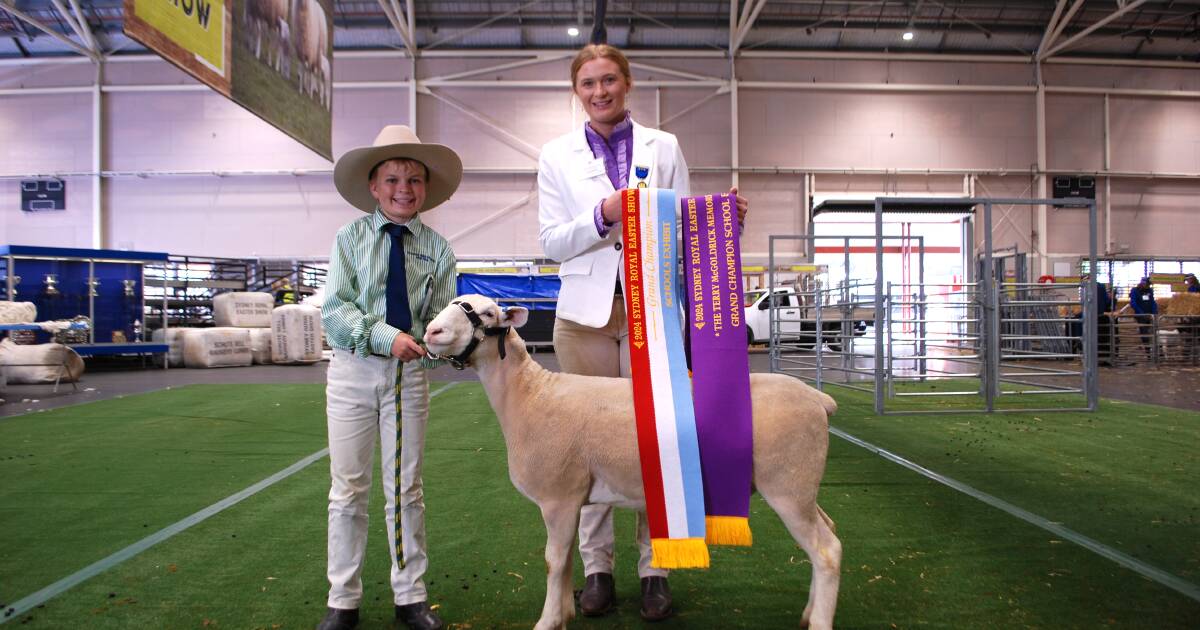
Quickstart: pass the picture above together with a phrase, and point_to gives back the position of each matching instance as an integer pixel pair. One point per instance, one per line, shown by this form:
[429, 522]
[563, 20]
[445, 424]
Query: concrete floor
[1178, 388]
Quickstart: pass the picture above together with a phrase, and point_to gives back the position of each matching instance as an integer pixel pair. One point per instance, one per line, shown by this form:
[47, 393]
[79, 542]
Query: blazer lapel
[644, 157]
[591, 170]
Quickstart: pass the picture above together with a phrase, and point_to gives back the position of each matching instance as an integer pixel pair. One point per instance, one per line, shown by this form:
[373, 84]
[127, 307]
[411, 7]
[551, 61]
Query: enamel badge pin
[641, 172]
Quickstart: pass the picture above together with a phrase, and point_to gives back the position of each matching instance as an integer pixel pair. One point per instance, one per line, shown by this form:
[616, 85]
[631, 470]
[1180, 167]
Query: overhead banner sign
[273, 57]
[192, 34]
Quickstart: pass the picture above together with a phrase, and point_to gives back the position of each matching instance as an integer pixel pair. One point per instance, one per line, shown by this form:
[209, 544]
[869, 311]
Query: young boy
[389, 275]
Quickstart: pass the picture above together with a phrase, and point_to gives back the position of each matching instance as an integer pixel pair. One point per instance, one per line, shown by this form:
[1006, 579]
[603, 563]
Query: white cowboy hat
[350, 174]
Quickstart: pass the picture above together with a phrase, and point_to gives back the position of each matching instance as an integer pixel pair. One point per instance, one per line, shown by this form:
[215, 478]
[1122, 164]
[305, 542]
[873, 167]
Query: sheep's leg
[812, 530]
[562, 518]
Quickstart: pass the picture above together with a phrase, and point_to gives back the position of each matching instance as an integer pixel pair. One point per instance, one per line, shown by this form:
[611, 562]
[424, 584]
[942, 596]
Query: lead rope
[397, 524]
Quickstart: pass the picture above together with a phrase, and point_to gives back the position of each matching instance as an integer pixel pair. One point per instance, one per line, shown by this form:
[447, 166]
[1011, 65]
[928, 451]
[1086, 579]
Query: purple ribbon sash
[720, 364]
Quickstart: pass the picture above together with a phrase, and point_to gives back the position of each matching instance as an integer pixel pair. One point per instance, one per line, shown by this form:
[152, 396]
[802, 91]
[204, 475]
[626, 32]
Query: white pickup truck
[798, 322]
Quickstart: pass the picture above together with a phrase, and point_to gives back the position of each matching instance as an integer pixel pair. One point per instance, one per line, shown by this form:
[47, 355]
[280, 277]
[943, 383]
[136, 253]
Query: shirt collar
[378, 221]
[622, 127]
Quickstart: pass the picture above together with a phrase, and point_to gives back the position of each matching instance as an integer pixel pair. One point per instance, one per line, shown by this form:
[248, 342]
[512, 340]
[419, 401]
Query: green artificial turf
[917, 554]
[80, 483]
[1125, 475]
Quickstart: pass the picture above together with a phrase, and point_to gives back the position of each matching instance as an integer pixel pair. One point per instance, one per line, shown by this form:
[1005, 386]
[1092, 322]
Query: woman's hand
[611, 209]
[743, 206]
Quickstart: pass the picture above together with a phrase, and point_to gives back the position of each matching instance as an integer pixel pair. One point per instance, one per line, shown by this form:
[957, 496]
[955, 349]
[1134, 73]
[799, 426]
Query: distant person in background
[284, 293]
[1190, 326]
[1141, 300]
[1104, 322]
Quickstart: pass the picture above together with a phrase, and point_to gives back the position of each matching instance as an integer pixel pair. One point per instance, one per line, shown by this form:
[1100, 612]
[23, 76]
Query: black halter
[459, 361]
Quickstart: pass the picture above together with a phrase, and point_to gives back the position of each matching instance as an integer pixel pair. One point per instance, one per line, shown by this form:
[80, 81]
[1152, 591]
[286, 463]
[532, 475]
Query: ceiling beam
[84, 27]
[80, 28]
[464, 33]
[1058, 29]
[1051, 24]
[392, 10]
[1087, 31]
[8, 6]
[539, 58]
[746, 23]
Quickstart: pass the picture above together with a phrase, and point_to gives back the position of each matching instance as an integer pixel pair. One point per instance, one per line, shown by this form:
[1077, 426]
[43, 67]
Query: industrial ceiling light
[909, 32]
[573, 31]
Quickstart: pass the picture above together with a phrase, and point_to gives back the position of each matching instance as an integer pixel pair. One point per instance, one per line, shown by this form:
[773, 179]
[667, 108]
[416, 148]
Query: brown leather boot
[339, 619]
[656, 599]
[599, 595]
[418, 616]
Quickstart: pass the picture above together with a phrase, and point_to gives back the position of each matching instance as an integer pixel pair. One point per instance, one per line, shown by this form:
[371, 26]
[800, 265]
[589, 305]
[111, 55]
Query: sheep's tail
[828, 403]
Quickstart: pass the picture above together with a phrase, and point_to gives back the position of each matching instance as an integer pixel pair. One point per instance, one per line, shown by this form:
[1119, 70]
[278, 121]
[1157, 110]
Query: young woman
[580, 175]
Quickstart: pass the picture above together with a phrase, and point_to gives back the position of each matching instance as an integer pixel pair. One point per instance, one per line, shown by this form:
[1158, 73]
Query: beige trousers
[601, 352]
[361, 410]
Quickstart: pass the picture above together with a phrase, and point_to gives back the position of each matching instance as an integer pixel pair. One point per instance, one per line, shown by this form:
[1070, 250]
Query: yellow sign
[806, 268]
[548, 269]
[197, 26]
[192, 34]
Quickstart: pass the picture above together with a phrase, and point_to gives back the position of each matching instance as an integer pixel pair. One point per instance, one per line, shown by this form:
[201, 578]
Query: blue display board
[63, 283]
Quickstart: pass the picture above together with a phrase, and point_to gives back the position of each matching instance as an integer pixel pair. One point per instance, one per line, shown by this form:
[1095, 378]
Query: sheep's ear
[514, 316]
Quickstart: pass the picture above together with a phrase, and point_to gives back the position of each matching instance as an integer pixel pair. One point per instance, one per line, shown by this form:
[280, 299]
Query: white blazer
[570, 184]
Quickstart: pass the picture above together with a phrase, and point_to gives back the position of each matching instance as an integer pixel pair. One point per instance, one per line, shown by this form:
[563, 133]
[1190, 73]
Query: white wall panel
[1155, 135]
[1078, 139]
[284, 215]
[49, 228]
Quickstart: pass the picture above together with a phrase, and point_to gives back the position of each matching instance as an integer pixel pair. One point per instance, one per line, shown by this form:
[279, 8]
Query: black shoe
[418, 616]
[339, 619]
[656, 599]
[599, 595]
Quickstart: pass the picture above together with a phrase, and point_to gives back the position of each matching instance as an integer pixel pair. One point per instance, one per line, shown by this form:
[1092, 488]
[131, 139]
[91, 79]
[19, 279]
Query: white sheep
[571, 439]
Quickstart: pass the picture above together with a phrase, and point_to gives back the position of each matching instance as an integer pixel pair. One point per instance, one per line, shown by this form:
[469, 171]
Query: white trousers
[601, 352]
[361, 410]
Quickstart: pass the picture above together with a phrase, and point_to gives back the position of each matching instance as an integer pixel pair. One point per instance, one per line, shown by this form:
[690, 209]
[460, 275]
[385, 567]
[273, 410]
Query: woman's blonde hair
[600, 51]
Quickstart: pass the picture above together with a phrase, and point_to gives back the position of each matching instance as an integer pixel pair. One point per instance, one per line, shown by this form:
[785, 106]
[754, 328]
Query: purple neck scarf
[616, 151]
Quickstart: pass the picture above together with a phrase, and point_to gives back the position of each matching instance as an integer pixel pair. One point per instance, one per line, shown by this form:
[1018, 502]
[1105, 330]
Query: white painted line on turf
[1168, 580]
[36, 599]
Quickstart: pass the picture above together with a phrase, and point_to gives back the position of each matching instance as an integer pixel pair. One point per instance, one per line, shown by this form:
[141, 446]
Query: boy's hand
[406, 348]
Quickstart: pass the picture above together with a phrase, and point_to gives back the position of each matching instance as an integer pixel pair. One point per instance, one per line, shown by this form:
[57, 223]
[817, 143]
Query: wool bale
[17, 312]
[217, 347]
[243, 309]
[260, 345]
[173, 337]
[296, 334]
[40, 363]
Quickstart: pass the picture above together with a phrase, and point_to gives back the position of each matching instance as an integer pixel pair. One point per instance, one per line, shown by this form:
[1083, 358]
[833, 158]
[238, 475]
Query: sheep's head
[455, 334]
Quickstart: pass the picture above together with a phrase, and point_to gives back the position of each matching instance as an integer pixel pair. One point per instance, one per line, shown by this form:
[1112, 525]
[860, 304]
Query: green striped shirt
[355, 292]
